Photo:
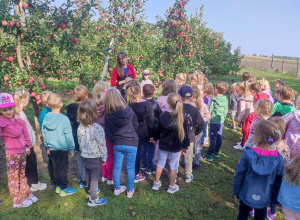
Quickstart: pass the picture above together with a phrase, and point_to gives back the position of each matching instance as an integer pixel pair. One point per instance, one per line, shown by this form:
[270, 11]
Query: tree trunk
[272, 63]
[111, 45]
[298, 64]
[282, 69]
[18, 36]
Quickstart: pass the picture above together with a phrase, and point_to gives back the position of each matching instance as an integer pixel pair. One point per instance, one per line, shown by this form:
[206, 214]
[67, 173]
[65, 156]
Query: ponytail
[19, 94]
[198, 95]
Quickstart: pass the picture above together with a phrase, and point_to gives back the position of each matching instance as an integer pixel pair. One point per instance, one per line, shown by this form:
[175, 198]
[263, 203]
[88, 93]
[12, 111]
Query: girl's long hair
[19, 94]
[209, 89]
[87, 112]
[133, 91]
[168, 86]
[120, 68]
[292, 171]
[98, 91]
[244, 87]
[113, 101]
[175, 103]
[198, 96]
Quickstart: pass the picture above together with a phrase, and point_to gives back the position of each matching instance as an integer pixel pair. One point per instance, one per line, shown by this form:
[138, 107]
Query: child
[218, 109]
[193, 80]
[233, 100]
[278, 84]
[180, 80]
[195, 127]
[197, 101]
[292, 135]
[246, 77]
[57, 134]
[259, 172]
[146, 80]
[92, 145]
[173, 138]
[44, 97]
[148, 147]
[253, 80]
[289, 194]
[265, 88]
[14, 133]
[208, 94]
[98, 96]
[80, 94]
[284, 105]
[144, 113]
[201, 78]
[21, 98]
[245, 105]
[255, 89]
[121, 125]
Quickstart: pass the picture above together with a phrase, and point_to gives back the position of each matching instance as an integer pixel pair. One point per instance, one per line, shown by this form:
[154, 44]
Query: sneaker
[208, 158]
[83, 184]
[89, 194]
[251, 213]
[234, 129]
[196, 166]
[143, 167]
[217, 154]
[68, 191]
[156, 185]
[103, 179]
[239, 143]
[189, 179]
[96, 202]
[139, 177]
[182, 164]
[109, 182]
[119, 191]
[130, 193]
[230, 126]
[173, 189]
[155, 162]
[149, 172]
[57, 189]
[238, 147]
[38, 186]
[205, 143]
[33, 198]
[25, 204]
[270, 216]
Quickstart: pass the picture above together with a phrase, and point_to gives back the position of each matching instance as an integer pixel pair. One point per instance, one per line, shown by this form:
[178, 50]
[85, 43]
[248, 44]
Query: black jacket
[72, 115]
[167, 134]
[195, 121]
[156, 113]
[144, 114]
[121, 127]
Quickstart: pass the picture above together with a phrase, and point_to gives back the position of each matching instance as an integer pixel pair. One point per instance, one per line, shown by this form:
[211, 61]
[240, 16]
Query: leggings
[174, 157]
[259, 214]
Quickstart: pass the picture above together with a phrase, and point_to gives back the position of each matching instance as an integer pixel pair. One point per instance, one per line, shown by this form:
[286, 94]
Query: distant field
[269, 58]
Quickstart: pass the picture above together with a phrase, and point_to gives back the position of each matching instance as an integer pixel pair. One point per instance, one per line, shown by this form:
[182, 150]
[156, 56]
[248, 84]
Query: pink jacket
[204, 112]
[162, 103]
[292, 135]
[245, 107]
[15, 135]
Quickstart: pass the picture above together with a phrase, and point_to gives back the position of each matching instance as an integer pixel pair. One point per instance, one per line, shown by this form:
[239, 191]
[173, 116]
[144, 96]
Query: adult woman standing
[123, 72]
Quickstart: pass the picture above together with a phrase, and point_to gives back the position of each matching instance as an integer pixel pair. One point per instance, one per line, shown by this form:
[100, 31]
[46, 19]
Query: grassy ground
[209, 196]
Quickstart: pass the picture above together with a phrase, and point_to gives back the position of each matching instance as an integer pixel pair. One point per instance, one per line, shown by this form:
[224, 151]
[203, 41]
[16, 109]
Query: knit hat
[6, 100]
[186, 92]
[146, 72]
[281, 82]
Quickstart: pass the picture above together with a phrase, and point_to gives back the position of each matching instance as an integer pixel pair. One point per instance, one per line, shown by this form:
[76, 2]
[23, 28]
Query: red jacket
[115, 78]
[246, 126]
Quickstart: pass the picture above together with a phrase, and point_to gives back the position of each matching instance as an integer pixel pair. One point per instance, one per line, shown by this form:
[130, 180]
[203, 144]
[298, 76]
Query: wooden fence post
[282, 69]
[272, 63]
[298, 64]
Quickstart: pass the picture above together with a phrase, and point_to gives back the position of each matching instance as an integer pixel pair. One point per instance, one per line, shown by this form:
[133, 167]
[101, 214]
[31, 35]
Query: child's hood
[52, 120]
[221, 101]
[168, 121]
[248, 99]
[268, 91]
[297, 115]
[121, 118]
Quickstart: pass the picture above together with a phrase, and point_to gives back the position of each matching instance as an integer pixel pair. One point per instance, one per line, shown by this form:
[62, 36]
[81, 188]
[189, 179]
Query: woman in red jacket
[123, 72]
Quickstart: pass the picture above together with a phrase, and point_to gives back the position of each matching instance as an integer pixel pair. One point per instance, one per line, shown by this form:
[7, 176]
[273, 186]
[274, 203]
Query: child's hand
[237, 198]
[48, 152]
[153, 141]
[185, 151]
[28, 152]
[71, 154]
[127, 79]
[103, 163]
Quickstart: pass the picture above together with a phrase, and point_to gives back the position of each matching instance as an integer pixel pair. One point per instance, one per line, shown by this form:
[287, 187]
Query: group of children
[150, 133]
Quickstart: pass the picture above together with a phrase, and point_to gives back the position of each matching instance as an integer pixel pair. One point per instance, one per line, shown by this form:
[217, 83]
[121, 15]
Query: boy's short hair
[80, 93]
[233, 86]
[54, 100]
[44, 97]
[222, 87]
[246, 76]
[148, 90]
[286, 93]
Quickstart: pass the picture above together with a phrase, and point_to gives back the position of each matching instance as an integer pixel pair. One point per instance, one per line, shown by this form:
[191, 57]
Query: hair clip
[198, 97]
[270, 139]
[278, 132]
[23, 91]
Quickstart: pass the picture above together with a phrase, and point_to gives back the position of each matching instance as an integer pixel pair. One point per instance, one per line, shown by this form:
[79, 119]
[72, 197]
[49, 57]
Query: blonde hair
[44, 96]
[286, 93]
[201, 78]
[253, 80]
[264, 84]
[222, 87]
[113, 101]
[244, 87]
[80, 93]
[175, 103]
[54, 100]
[180, 78]
[98, 91]
[198, 96]
[265, 106]
[19, 94]
[87, 112]
[266, 132]
[200, 86]
[193, 78]
[280, 124]
[133, 91]
[168, 86]
[292, 171]
[233, 86]
[209, 89]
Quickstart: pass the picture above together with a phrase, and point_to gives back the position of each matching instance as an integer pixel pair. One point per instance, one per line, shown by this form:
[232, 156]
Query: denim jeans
[205, 133]
[81, 167]
[215, 135]
[147, 154]
[119, 152]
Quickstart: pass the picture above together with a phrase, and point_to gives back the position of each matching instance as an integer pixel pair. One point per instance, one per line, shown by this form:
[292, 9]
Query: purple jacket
[269, 93]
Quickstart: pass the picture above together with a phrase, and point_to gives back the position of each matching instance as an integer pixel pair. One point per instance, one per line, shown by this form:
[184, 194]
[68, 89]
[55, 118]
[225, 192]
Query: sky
[260, 27]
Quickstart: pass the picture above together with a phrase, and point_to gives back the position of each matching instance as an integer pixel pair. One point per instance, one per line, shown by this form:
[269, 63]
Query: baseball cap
[6, 100]
[281, 82]
[186, 92]
[146, 72]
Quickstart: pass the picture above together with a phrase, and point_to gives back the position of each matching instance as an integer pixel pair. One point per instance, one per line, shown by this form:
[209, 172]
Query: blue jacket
[42, 116]
[57, 132]
[257, 179]
[289, 196]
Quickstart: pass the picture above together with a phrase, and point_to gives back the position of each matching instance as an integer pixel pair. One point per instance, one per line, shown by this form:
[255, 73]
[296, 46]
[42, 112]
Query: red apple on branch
[25, 5]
